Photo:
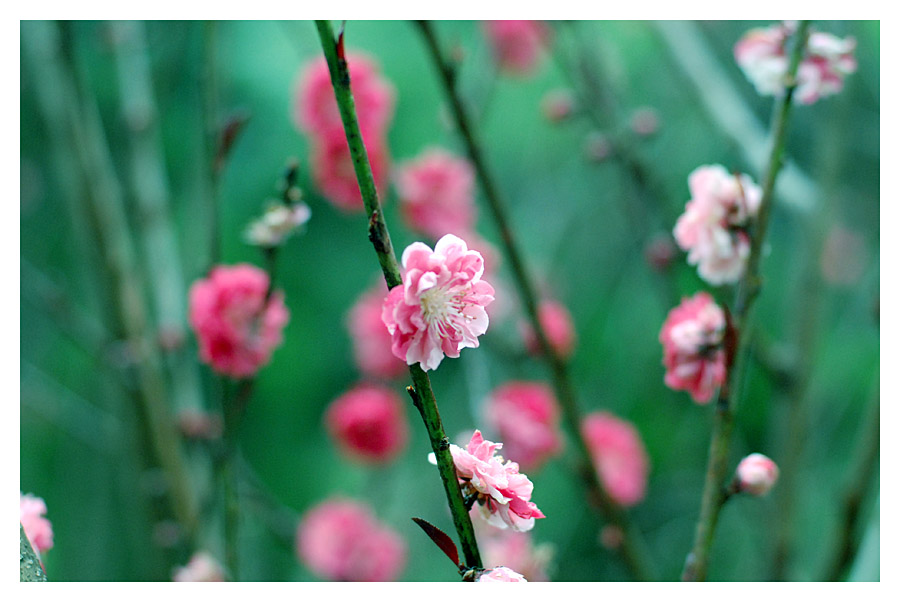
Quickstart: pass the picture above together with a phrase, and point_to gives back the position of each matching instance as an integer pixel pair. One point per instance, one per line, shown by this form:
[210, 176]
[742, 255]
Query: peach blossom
[516, 44]
[526, 416]
[556, 321]
[371, 340]
[38, 530]
[369, 423]
[333, 172]
[501, 574]
[437, 193]
[756, 474]
[619, 455]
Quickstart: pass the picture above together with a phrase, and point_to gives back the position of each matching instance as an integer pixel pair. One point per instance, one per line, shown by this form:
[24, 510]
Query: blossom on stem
[201, 567]
[619, 456]
[371, 340]
[37, 528]
[556, 322]
[440, 307]
[516, 44]
[341, 540]
[756, 474]
[713, 227]
[368, 423]
[236, 327]
[526, 416]
[436, 192]
[693, 355]
[500, 574]
[277, 223]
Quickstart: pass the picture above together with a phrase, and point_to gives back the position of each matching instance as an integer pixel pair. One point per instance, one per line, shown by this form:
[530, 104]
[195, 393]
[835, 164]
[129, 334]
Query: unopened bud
[557, 105]
[597, 147]
[644, 121]
[756, 474]
[660, 252]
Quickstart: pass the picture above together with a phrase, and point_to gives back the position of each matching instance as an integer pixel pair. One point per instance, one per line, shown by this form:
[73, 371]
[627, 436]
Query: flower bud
[756, 474]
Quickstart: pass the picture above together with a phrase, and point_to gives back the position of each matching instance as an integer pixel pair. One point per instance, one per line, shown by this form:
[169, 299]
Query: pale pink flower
[526, 416]
[504, 547]
[712, 228]
[237, 333]
[333, 173]
[501, 574]
[504, 493]
[37, 528]
[756, 474]
[371, 340]
[439, 308]
[692, 337]
[341, 540]
[277, 223]
[201, 567]
[315, 109]
[369, 423]
[619, 455]
[557, 105]
[516, 44]
[437, 193]
[556, 321]
[827, 60]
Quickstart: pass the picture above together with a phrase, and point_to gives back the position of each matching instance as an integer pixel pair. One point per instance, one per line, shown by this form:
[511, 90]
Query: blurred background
[115, 211]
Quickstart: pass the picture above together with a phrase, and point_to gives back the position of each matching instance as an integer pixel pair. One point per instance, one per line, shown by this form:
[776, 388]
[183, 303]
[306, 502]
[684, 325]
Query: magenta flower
[440, 307]
[756, 474]
[368, 423]
[37, 528]
[201, 567]
[556, 321]
[619, 456]
[341, 540]
[692, 338]
[501, 574]
[437, 194]
[371, 340]
[712, 228]
[236, 329]
[516, 44]
[526, 415]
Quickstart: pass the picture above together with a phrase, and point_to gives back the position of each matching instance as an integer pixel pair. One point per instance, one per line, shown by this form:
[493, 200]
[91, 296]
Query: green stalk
[30, 568]
[421, 392]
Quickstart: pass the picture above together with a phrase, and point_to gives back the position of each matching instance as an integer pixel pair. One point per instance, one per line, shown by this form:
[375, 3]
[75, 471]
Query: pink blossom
[201, 567]
[368, 423]
[504, 493]
[512, 548]
[371, 340]
[333, 173]
[756, 474]
[692, 338]
[556, 321]
[619, 455]
[826, 61]
[501, 574]
[526, 415]
[341, 540]
[436, 192]
[712, 228]
[516, 44]
[37, 528]
[315, 108]
[237, 334]
[439, 308]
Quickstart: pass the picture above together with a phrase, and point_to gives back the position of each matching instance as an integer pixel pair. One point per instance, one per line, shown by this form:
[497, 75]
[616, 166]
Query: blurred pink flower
[645, 121]
[619, 454]
[712, 228]
[333, 173]
[436, 192]
[201, 567]
[501, 574]
[556, 322]
[503, 547]
[692, 338]
[226, 311]
[37, 528]
[526, 416]
[368, 423]
[827, 59]
[341, 540]
[516, 44]
[315, 108]
[756, 474]
[557, 105]
[439, 308]
[504, 493]
[371, 340]
[844, 256]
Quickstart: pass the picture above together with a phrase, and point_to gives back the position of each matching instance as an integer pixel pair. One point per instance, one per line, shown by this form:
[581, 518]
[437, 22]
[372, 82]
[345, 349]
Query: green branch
[30, 568]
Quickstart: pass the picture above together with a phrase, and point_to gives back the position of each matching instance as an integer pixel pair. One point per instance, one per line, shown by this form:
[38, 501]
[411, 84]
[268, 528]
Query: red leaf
[441, 539]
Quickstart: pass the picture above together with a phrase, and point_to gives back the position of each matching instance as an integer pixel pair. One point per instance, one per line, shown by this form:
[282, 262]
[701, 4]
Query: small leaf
[441, 539]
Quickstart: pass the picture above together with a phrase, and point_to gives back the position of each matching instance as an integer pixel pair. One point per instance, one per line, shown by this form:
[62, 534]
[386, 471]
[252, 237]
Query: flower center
[443, 309]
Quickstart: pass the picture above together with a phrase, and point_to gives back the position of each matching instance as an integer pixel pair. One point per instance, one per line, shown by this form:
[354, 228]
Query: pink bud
[645, 121]
[557, 105]
[597, 147]
[37, 528]
[756, 474]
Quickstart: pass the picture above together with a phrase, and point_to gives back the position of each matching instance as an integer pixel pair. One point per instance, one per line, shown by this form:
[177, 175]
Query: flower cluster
[371, 340]
[440, 307]
[341, 540]
[368, 423]
[503, 493]
[201, 567]
[556, 322]
[619, 456]
[315, 112]
[37, 528]
[436, 192]
[526, 416]
[277, 223]
[693, 355]
[500, 574]
[713, 227]
[516, 44]
[826, 61]
[756, 474]
[236, 326]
